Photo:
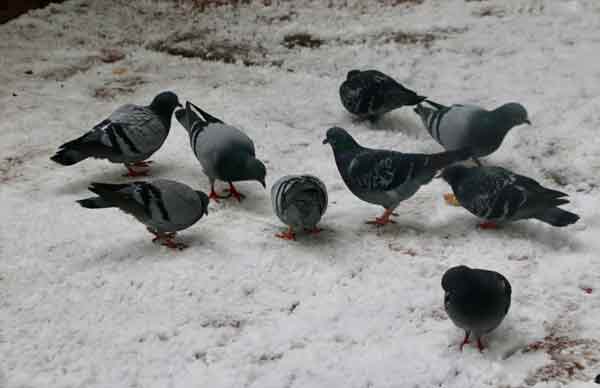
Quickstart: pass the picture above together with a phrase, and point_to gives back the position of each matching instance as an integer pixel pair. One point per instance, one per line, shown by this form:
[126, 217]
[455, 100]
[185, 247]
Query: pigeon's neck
[500, 122]
[163, 114]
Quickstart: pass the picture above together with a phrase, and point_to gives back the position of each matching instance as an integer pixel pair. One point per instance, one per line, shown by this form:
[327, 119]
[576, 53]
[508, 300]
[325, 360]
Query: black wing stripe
[113, 140]
[118, 129]
[159, 202]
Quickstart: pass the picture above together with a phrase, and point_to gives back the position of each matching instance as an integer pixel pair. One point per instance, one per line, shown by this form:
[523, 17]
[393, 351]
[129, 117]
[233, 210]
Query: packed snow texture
[88, 301]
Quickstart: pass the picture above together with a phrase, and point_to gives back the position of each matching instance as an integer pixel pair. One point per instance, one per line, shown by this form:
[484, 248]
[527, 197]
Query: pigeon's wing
[380, 170]
[134, 130]
[132, 198]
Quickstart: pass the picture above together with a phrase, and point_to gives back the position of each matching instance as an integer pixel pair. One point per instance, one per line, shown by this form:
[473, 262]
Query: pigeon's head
[184, 118]
[339, 139]
[352, 73]
[204, 200]
[514, 114]
[165, 103]
[454, 174]
[456, 278]
[256, 171]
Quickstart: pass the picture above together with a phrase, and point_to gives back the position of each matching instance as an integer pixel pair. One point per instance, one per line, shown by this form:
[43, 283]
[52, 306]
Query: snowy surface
[86, 300]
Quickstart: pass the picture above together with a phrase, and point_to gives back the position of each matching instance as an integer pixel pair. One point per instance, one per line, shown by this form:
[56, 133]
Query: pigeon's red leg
[480, 345]
[465, 341]
[143, 163]
[487, 225]
[167, 239]
[213, 194]
[171, 243]
[234, 193]
[287, 235]
[132, 172]
[314, 230]
[383, 220]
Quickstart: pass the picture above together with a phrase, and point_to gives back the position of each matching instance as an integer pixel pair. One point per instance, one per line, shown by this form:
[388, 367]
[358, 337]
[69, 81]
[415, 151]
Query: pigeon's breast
[455, 127]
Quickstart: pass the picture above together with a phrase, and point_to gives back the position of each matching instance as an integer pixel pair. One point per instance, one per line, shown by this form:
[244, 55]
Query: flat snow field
[88, 301]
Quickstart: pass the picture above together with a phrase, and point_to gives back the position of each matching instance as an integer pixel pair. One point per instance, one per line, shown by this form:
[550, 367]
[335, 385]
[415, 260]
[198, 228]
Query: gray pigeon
[476, 300]
[370, 94]
[130, 135]
[498, 195]
[460, 126]
[225, 152]
[164, 206]
[299, 201]
[384, 177]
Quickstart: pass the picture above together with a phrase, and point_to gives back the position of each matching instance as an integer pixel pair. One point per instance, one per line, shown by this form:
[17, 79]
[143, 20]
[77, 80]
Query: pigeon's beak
[262, 182]
[179, 104]
[438, 176]
[206, 211]
[527, 121]
[325, 141]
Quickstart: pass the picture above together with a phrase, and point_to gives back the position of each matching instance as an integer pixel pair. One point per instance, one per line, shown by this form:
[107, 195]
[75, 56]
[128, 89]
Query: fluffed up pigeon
[130, 135]
[299, 201]
[459, 126]
[370, 94]
[164, 206]
[384, 177]
[225, 152]
[476, 300]
[498, 195]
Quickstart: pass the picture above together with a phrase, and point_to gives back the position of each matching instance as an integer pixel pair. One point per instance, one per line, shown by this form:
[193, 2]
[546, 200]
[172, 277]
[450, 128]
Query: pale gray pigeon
[459, 126]
[130, 135]
[299, 201]
[225, 152]
[498, 195]
[370, 94]
[164, 206]
[384, 177]
[476, 300]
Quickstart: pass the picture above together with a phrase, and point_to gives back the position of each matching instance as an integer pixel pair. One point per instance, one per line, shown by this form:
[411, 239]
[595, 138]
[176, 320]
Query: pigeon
[498, 195]
[385, 177]
[225, 152]
[130, 135]
[299, 201]
[164, 206]
[476, 300]
[459, 126]
[370, 94]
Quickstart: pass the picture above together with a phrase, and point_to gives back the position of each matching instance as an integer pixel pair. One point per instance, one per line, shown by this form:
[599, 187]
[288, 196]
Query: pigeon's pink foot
[314, 230]
[480, 345]
[144, 163]
[167, 239]
[488, 225]
[465, 341]
[213, 194]
[136, 170]
[234, 193]
[383, 220]
[287, 235]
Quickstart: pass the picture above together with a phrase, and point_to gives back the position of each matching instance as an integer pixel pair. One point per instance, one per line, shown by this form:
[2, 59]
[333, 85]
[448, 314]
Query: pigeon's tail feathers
[106, 190]
[445, 159]
[557, 217]
[95, 203]
[68, 157]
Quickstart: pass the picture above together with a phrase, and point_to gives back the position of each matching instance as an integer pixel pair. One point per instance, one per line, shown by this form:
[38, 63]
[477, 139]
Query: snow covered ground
[88, 301]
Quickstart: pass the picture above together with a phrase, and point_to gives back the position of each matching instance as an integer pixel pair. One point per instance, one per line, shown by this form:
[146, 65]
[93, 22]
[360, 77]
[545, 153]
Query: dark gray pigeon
[370, 94]
[299, 201]
[459, 126]
[225, 152]
[498, 195]
[164, 206]
[384, 177]
[476, 300]
[130, 135]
